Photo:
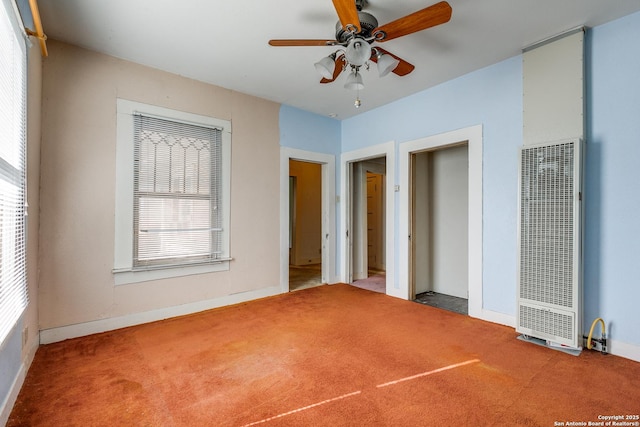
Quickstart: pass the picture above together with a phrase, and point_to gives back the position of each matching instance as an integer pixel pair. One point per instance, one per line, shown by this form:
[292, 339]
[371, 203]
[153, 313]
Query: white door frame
[473, 135]
[328, 164]
[357, 225]
[357, 202]
[381, 150]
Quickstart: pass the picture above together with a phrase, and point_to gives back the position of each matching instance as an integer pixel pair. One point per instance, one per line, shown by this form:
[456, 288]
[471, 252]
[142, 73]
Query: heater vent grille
[548, 323]
[549, 242]
[546, 218]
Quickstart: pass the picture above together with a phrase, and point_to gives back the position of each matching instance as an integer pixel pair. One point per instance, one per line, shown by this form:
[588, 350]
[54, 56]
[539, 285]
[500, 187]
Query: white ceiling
[225, 42]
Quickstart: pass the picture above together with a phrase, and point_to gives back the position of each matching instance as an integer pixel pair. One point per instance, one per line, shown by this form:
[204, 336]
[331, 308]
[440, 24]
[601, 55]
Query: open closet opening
[439, 227]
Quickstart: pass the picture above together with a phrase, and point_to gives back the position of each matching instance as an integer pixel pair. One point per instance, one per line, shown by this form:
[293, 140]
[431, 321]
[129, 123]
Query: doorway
[305, 224]
[439, 227]
[375, 222]
[328, 213]
[473, 136]
[367, 201]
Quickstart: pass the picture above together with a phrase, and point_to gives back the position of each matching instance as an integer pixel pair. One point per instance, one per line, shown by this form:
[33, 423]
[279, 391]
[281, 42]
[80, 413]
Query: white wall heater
[550, 242]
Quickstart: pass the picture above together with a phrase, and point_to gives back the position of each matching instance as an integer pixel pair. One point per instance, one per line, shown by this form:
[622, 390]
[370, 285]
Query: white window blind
[13, 286]
[177, 193]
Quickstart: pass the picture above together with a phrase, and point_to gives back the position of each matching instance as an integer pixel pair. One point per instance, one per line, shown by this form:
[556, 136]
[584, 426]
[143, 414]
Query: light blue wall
[488, 96]
[307, 131]
[311, 132]
[10, 360]
[492, 97]
[612, 235]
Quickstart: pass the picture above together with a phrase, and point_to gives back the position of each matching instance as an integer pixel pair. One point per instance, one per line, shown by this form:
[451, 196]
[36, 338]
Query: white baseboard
[47, 336]
[495, 317]
[52, 335]
[12, 396]
[622, 349]
[617, 348]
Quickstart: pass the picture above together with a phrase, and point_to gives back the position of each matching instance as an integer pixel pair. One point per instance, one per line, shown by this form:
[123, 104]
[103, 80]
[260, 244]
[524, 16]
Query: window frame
[14, 299]
[123, 270]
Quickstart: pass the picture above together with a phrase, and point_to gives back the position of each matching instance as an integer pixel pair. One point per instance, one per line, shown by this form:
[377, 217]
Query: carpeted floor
[325, 356]
[376, 282]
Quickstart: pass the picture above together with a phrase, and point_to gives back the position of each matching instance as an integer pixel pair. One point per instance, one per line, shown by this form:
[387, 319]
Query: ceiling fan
[356, 33]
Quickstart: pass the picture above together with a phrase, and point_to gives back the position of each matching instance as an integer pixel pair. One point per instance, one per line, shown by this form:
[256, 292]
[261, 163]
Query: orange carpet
[326, 356]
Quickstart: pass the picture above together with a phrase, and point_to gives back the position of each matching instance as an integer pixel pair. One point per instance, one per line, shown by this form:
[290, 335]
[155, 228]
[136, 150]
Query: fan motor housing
[368, 23]
[360, 4]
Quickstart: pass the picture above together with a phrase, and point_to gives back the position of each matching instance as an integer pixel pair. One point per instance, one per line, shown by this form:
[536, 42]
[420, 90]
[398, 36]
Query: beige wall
[80, 89]
[553, 90]
[34, 95]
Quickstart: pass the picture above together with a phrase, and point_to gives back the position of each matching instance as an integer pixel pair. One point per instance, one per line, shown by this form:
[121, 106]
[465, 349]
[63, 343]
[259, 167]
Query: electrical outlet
[25, 336]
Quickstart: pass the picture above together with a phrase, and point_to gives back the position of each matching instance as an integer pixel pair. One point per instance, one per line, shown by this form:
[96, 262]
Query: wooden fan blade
[403, 67]
[301, 42]
[428, 17]
[348, 14]
[340, 63]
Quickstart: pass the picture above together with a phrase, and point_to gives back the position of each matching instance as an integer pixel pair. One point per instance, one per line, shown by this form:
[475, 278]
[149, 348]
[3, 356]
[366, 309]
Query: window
[172, 193]
[13, 284]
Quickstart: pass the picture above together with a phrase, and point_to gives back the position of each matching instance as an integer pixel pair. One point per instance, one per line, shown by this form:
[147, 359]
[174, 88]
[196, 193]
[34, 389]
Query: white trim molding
[48, 336]
[123, 247]
[328, 163]
[622, 349]
[473, 136]
[387, 150]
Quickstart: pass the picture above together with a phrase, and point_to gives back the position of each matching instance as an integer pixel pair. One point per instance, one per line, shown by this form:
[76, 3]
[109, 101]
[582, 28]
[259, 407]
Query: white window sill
[126, 276]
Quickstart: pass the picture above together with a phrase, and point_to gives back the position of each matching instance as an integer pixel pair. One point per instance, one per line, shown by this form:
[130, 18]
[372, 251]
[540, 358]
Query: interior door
[375, 217]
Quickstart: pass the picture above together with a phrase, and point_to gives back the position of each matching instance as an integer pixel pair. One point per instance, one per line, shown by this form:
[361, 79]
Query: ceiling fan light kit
[356, 32]
[325, 66]
[386, 64]
[354, 81]
[358, 51]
